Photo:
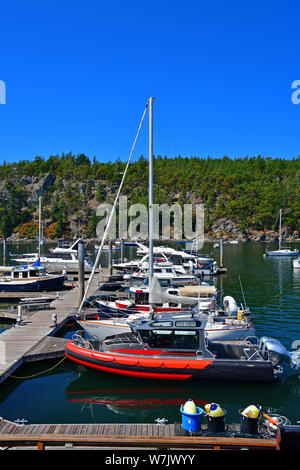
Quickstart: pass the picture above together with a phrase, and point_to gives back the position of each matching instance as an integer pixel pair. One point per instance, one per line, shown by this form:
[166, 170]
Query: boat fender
[241, 314]
[252, 411]
[190, 407]
[213, 409]
[230, 304]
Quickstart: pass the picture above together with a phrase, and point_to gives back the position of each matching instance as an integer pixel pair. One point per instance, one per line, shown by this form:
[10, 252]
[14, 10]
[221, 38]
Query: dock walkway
[17, 341]
[119, 436]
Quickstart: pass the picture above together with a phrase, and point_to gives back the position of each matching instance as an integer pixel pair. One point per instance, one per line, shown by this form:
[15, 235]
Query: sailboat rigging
[281, 251]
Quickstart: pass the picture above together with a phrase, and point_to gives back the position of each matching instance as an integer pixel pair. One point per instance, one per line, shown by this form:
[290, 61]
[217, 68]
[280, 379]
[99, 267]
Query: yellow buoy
[252, 411]
[213, 409]
[190, 407]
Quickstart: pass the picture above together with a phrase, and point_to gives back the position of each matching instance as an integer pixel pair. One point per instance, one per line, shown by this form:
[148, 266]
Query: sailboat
[281, 251]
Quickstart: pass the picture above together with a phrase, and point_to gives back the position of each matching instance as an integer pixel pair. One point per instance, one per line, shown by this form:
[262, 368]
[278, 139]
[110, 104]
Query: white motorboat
[63, 256]
[161, 271]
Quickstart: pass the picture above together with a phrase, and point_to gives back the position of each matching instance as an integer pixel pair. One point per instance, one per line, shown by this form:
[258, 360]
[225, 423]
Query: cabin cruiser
[29, 278]
[63, 256]
[60, 260]
[172, 348]
[187, 257]
[161, 271]
[130, 266]
[200, 266]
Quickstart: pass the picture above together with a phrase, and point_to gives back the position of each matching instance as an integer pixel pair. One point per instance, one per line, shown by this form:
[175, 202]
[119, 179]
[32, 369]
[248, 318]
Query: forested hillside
[246, 192]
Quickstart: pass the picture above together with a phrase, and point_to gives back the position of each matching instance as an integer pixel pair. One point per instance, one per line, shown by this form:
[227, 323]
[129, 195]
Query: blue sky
[78, 75]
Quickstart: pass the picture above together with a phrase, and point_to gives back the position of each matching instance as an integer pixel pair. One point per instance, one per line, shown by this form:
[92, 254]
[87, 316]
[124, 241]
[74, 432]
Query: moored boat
[177, 349]
[29, 278]
[281, 251]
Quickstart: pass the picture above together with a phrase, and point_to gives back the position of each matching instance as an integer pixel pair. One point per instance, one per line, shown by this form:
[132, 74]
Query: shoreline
[249, 238]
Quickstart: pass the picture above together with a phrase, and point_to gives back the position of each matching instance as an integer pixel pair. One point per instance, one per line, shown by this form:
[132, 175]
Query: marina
[150, 241]
[164, 329]
[43, 349]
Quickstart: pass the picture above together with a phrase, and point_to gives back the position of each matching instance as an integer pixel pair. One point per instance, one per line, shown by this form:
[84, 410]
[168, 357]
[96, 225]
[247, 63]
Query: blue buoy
[191, 422]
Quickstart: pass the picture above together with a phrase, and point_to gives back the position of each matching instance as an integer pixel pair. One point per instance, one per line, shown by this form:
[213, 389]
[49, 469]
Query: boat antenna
[111, 214]
[242, 292]
[274, 226]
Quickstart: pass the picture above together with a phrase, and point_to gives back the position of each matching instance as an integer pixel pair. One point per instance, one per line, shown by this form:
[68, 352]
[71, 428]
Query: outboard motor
[230, 305]
[277, 353]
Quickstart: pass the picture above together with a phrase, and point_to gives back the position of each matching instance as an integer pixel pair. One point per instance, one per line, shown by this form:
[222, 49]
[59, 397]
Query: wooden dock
[28, 339]
[24, 295]
[150, 436]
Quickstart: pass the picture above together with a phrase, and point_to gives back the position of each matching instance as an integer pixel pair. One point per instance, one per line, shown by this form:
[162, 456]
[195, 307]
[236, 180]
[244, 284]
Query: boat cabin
[180, 336]
[173, 333]
[21, 272]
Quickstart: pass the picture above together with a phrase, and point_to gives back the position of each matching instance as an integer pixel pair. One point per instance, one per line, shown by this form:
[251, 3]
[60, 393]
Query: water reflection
[143, 401]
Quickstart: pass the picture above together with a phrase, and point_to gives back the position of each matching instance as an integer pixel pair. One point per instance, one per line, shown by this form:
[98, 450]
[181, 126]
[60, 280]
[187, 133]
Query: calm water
[72, 394]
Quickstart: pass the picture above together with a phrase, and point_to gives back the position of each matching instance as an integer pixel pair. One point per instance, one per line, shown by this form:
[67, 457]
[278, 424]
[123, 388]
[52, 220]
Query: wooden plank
[25, 342]
[3, 423]
[9, 427]
[170, 441]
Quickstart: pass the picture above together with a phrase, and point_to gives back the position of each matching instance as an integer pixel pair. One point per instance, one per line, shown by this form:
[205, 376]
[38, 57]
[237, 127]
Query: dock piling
[110, 257]
[122, 250]
[221, 252]
[81, 270]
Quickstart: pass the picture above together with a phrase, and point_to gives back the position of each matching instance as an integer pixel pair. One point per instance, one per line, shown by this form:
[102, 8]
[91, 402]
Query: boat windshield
[178, 339]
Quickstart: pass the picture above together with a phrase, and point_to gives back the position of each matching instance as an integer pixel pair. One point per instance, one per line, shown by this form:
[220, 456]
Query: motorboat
[281, 251]
[170, 348]
[115, 316]
[161, 271]
[175, 261]
[59, 260]
[29, 278]
[190, 260]
[63, 256]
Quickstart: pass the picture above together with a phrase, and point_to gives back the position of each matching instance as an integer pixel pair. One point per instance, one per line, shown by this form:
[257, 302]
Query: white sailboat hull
[283, 252]
[100, 329]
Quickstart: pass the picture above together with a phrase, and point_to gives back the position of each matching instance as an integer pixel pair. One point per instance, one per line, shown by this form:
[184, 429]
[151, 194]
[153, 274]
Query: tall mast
[280, 229]
[40, 210]
[150, 188]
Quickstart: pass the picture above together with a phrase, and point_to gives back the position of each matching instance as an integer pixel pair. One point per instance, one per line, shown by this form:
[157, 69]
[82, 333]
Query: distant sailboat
[281, 251]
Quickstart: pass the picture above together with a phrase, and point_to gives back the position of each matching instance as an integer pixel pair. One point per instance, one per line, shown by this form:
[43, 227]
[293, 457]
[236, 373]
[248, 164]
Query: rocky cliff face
[230, 231]
[81, 199]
